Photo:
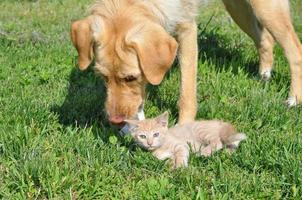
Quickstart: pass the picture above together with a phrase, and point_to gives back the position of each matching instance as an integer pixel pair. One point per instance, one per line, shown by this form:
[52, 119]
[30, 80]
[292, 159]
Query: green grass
[55, 144]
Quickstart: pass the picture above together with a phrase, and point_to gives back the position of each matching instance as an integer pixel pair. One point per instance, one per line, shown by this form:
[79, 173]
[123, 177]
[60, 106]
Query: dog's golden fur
[132, 43]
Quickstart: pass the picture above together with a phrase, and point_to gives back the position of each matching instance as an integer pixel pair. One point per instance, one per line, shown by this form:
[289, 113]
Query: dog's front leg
[188, 52]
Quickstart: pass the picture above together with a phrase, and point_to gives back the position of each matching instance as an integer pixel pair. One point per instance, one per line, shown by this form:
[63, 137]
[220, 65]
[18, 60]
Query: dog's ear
[81, 36]
[155, 48]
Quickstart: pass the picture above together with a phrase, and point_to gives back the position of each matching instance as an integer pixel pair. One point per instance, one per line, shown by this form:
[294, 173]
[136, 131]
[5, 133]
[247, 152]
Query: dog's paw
[266, 75]
[291, 101]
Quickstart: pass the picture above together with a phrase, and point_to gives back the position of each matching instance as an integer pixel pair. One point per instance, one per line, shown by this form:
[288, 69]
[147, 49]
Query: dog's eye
[156, 134]
[130, 78]
[142, 136]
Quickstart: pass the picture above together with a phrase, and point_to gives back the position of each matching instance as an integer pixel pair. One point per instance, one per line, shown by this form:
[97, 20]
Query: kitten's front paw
[207, 151]
[179, 164]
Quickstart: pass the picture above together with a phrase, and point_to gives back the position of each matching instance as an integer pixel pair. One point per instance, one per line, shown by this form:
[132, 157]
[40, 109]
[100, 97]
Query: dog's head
[129, 52]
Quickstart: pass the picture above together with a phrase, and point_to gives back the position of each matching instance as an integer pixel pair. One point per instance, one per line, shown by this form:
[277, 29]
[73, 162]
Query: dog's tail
[234, 140]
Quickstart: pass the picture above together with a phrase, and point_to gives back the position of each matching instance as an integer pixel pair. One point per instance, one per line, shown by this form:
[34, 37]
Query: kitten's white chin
[152, 147]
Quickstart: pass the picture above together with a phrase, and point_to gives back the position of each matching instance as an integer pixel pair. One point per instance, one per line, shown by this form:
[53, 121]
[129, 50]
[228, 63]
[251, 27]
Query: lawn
[56, 144]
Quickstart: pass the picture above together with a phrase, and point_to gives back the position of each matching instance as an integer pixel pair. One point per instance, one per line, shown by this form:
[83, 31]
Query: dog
[135, 42]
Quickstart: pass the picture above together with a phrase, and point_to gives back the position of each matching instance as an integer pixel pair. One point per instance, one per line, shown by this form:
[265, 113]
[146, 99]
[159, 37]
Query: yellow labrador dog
[134, 42]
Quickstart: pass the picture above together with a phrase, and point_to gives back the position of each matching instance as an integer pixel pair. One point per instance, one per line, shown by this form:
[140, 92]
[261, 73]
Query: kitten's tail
[233, 141]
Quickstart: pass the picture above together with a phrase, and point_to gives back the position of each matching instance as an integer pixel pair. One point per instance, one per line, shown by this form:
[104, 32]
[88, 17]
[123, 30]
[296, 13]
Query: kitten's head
[149, 133]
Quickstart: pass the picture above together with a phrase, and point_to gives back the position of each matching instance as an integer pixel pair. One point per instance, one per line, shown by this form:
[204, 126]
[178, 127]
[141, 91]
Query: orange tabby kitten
[203, 137]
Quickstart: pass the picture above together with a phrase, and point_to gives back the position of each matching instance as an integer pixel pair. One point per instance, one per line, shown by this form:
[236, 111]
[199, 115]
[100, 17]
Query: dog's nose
[117, 120]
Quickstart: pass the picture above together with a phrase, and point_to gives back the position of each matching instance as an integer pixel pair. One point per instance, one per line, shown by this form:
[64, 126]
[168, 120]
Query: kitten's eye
[142, 136]
[155, 134]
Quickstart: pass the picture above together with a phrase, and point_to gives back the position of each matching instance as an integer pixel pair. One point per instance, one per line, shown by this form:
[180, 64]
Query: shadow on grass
[84, 103]
[83, 106]
[217, 48]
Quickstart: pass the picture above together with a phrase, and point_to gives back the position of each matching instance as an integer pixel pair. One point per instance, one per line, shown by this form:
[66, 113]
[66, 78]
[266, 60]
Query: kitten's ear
[132, 124]
[163, 119]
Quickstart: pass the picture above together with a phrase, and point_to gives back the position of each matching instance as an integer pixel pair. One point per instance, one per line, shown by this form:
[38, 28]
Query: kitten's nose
[149, 142]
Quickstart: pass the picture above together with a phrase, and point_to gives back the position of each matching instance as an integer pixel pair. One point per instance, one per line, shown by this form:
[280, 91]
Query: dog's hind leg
[263, 20]
[187, 39]
[275, 16]
[242, 13]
